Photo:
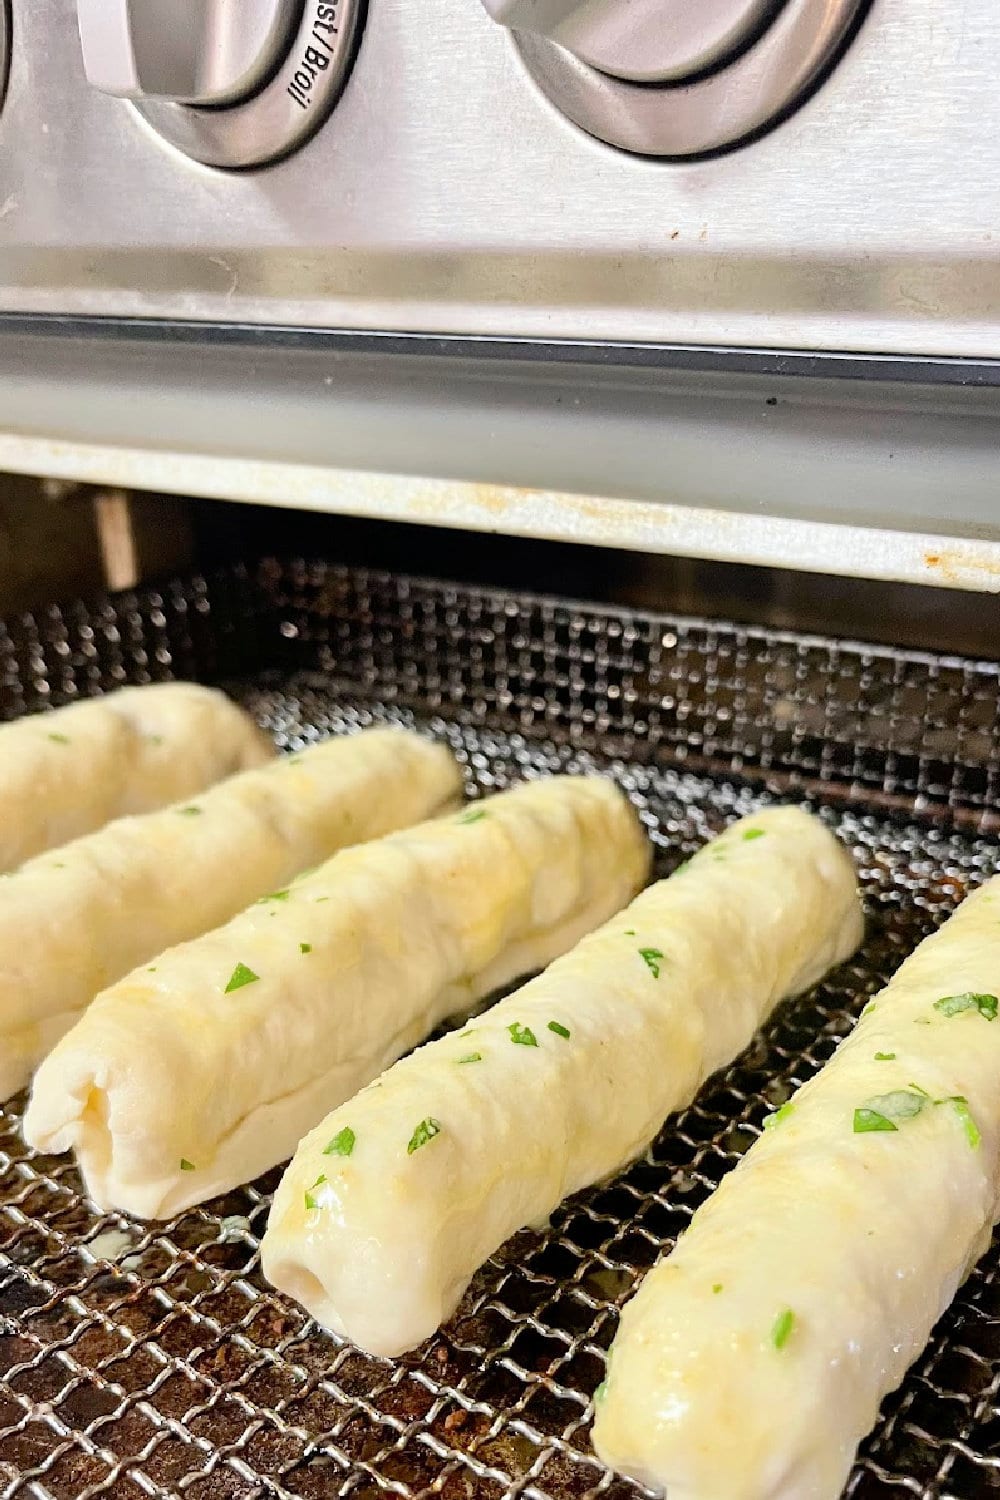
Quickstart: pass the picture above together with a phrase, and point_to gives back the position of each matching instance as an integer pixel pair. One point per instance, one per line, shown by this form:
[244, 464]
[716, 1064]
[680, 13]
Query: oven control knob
[211, 52]
[677, 78]
[647, 41]
[232, 83]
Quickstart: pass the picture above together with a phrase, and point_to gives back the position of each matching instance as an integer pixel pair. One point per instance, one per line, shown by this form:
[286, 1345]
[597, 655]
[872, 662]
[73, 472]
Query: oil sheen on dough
[181, 1083]
[76, 919]
[753, 1360]
[65, 773]
[558, 1085]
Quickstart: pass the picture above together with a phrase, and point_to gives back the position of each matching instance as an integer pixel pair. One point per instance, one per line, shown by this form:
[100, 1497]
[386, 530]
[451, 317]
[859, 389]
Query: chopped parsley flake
[240, 976]
[473, 815]
[189, 812]
[59, 739]
[471, 1057]
[425, 1131]
[651, 957]
[310, 1199]
[601, 1392]
[716, 1288]
[753, 833]
[305, 947]
[523, 1036]
[885, 1057]
[274, 896]
[961, 1107]
[630, 932]
[187, 1166]
[882, 1112]
[781, 1329]
[868, 1009]
[319, 899]
[954, 1005]
[151, 969]
[559, 1029]
[772, 1121]
[867, 1120]
[342, 1143]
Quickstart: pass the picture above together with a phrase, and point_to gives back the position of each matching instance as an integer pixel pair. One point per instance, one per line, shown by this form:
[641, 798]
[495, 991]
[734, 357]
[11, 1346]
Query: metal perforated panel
[154, 1360]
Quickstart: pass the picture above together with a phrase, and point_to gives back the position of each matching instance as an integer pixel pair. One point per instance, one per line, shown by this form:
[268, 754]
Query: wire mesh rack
[153, 1360]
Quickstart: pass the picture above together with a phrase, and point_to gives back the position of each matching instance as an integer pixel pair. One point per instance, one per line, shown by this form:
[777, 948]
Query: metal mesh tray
[153, 1360]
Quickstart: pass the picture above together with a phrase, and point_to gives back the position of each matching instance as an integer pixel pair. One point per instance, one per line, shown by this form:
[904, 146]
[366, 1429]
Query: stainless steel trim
[286, 111]
[715, 111]
[446, 194]
[653, 439]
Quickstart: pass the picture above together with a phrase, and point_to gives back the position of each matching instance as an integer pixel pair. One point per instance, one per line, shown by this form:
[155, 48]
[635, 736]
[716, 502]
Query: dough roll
[754, 1358]
[78, 918]
[65, 773]
[178, 1084]
[558, 1085]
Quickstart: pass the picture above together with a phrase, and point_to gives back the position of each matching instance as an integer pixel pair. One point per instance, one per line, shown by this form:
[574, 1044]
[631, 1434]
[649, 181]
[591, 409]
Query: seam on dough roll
[556, 1086]
[65, 773]
[180, 1084]
[79, 918]
[836, 1244]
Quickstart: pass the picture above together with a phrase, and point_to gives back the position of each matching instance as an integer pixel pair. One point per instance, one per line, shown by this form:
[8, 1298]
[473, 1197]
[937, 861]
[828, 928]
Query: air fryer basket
[153, 1360]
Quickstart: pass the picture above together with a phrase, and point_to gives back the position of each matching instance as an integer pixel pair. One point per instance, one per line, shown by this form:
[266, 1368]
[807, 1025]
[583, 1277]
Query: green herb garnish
[471, 1057]
[753, 833]
[523, 1036]
[342, 1143]
[601, 1392]
[473, 815]
[885, 1057]
[425, 1131]
[716, 1288]
[772, 1121]
[305, 947]
[954, 1005]
[274, 896]
[882, 1112]
[781, 1329]
[630, 932]
[240, 976]
[59, 739]
[187, 1166]
[559, 1029]
[310, 1200]
[961, 1107]
[651, 957]
[189, 812]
